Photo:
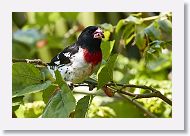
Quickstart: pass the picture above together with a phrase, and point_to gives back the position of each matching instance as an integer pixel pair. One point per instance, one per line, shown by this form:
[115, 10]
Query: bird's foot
[70, 84]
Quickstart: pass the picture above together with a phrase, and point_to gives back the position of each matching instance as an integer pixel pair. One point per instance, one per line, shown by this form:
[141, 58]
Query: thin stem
[34, 61]
[150, 18]
[93, 84]
[153, 92]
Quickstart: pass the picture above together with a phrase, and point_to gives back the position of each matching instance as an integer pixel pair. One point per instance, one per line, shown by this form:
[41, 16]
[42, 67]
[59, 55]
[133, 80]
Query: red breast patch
[93, 58]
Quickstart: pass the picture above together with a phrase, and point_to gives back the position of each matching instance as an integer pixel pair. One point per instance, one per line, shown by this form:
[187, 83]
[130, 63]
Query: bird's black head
[91, 38]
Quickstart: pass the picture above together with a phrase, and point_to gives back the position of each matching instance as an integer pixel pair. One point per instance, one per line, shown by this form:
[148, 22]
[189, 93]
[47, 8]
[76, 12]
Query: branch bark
[121, 90]
[154, 92]
[34, 61]
[122, 87]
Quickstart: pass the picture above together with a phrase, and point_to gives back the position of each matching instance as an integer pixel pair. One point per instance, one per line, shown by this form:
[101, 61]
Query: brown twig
[153, 91]
[34, 61]
[147, 95]
[93, 84]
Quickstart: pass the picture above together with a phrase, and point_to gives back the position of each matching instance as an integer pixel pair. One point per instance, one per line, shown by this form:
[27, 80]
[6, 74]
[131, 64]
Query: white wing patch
[58, 56]
[68, 54]
[57, 62]
[76, 71]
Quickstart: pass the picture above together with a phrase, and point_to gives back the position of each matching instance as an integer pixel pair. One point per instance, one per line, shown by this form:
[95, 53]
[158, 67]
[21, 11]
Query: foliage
[137, 49]
[106, 69]
[82, 106]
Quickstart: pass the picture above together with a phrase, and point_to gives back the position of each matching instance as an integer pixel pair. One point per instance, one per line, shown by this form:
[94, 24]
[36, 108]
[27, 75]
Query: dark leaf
[48, 93]
[60, 106]
[63, 103]
[82, 107]
[165, 25]
[26, 78]
[19, 18]
[153, 31]
[17, 100]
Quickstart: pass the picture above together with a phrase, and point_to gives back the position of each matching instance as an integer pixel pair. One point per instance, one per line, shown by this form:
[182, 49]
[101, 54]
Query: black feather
[62, 58]
[85, 41]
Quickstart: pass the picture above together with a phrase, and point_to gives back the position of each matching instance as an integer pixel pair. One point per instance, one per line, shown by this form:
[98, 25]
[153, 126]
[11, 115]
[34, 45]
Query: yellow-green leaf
[105, 73]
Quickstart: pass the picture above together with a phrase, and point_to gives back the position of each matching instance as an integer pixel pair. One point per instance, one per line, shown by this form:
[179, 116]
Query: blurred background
[41, 35]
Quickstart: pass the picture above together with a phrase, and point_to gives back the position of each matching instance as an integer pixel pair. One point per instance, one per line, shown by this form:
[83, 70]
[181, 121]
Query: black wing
[64, 56]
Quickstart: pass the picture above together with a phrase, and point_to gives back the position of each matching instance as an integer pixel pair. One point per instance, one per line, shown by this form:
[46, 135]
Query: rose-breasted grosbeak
[78, 61]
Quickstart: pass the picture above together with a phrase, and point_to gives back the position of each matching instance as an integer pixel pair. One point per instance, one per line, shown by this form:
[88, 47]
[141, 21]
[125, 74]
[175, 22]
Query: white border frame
[174, 123]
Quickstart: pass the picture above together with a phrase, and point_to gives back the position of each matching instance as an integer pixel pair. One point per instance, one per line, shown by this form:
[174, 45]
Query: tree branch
[34, 61]
[153, 92]
[93, 84]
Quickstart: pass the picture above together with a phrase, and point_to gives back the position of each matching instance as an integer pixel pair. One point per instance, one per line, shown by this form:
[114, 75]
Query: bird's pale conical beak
[99, 34]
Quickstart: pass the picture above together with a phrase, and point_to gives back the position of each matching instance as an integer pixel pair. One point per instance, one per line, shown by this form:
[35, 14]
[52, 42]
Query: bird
[79, 60]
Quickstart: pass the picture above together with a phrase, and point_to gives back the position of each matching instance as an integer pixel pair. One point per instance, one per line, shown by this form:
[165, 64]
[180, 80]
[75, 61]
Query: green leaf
[19, 18]
[154, 54]
[82, 106]
[129, 30]
[107, 35]
[32, 89]
[156, 43]
[157, 61]
[25, 74]
[55, 108]
[27, 79]
[60, 81]
[48, 92]
[14, 108]
[130, 20]
[20, 50]
[140, 40]
[63, 103]
[60, 106]
[119, 25]
[134, 20]
[153, 31]
[129, 39]
[107, 27]
[67, 95]
[105, 73]
[17, 100]
[165, 25]
[107, 47]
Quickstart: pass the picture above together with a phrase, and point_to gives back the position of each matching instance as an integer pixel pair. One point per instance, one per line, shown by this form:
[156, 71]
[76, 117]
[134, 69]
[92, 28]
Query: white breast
[76, 71]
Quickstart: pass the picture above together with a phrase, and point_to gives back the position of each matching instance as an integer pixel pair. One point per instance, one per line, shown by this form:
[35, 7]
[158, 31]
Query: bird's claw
[70, 84]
